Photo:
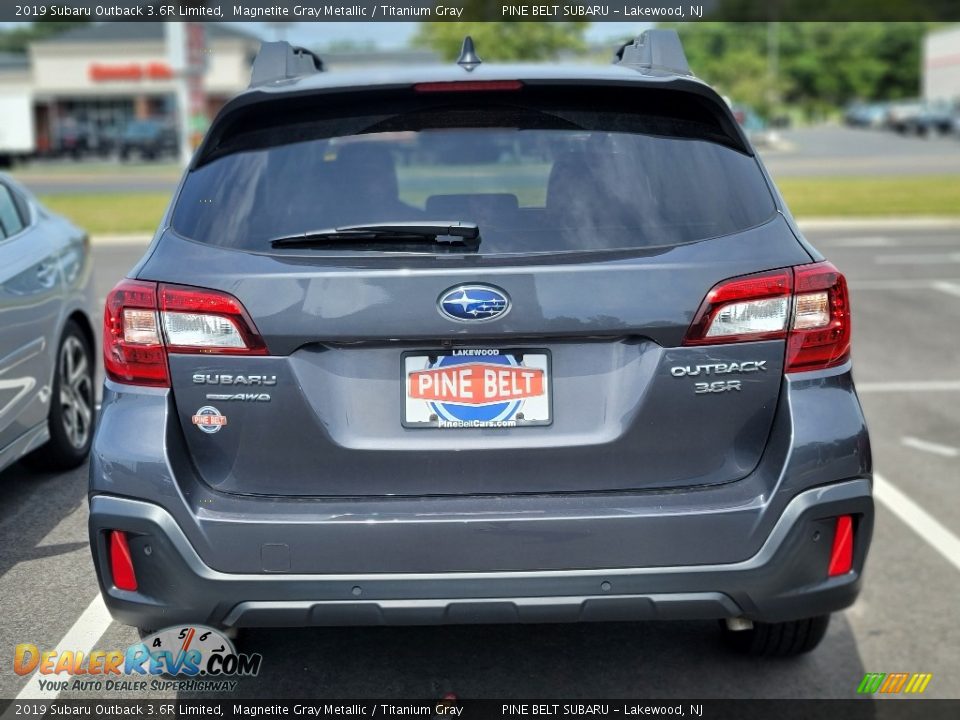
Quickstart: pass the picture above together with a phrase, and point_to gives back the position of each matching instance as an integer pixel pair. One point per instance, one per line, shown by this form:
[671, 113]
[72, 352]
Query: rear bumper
[785, 579]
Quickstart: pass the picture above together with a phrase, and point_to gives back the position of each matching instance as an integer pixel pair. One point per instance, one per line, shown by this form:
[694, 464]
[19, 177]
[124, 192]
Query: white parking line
[918, 259]
[897, 284]
[858, 242]
[947, 287]
[908, 386]
[930, 447]
[918, 520]
[84, 634]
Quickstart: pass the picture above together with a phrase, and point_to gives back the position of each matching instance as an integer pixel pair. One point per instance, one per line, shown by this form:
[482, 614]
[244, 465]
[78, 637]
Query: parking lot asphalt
[822, 150]
[829, 150]
[906, 299]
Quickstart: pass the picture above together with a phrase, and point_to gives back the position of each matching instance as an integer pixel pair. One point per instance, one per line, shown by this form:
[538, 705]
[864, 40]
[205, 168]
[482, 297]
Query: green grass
[67, 168]
[934, 195]
[111, 213]
[118, 213]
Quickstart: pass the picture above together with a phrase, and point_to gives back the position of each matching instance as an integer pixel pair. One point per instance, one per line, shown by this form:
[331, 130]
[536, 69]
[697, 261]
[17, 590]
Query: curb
[888, 223]
[130, 239]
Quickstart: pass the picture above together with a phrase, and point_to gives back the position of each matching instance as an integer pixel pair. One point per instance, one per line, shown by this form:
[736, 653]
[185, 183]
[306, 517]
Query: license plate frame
[530, 411]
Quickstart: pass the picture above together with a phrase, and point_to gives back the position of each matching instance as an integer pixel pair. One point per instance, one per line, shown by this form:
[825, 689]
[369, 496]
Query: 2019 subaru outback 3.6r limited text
[527, 343]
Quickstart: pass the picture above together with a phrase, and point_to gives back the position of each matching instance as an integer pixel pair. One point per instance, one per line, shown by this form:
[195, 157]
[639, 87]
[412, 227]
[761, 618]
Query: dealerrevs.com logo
[191, 657]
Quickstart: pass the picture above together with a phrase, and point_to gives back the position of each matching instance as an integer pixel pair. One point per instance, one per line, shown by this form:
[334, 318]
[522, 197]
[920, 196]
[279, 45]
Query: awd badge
[209, 419]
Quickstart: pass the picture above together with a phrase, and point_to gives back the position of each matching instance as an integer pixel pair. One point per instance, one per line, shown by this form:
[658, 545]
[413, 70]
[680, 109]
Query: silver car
[46, 335]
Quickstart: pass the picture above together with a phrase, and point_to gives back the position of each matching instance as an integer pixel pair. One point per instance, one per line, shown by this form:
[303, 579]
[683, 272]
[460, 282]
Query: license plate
[476, 388]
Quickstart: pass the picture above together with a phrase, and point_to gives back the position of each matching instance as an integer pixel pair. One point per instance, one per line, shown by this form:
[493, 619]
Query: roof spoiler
[282, 61]
[658, 50]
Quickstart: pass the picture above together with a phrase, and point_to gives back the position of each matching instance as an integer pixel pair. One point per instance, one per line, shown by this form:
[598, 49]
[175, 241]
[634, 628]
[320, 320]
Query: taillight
[143, 321]
[753, 307]
[196, 320]
[133, 351]
[808, 305]
[121, 562]
[820, 337]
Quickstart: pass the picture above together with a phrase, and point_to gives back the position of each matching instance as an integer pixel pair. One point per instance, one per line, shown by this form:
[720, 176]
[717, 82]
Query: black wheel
[71, 405]
[783, 639]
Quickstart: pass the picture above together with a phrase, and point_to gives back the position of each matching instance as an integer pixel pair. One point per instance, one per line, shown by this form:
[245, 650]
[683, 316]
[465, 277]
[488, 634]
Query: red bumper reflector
[121, 564]
[841, 557]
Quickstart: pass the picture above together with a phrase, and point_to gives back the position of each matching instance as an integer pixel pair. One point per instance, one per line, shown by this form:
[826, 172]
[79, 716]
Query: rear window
[537, 175]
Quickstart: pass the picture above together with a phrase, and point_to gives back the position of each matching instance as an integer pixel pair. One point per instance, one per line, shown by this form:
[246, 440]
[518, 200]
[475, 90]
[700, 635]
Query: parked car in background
[757, 129]
[147, 139]
[73, 139]
[865, 115]
[934, 118]
[901, 116]
[47, 357]
[357, 380]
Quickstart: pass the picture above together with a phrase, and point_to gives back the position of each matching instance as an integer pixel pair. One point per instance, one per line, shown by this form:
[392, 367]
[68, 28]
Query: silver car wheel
[76, 391]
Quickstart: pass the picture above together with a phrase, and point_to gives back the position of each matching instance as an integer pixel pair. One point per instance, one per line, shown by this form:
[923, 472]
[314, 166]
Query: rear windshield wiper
[435, 232]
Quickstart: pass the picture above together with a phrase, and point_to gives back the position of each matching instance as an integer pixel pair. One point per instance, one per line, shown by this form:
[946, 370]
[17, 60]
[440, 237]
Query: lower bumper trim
[671, 606]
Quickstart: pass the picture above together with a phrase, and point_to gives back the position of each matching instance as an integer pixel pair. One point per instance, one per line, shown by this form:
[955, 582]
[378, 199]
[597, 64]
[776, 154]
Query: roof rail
[282, 61]
[658, 50]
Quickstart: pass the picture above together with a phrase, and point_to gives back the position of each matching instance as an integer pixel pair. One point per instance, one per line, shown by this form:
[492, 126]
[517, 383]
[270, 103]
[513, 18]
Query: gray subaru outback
[477, 344]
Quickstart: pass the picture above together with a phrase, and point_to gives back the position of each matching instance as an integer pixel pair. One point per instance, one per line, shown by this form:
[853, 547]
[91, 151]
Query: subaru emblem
[473, 303]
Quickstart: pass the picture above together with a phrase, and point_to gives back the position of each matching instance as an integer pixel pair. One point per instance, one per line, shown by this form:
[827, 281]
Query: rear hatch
[546, 357]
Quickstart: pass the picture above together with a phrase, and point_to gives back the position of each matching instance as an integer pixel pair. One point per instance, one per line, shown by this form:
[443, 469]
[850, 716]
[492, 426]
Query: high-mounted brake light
[807, 304]
[470, 86]
[144, 321]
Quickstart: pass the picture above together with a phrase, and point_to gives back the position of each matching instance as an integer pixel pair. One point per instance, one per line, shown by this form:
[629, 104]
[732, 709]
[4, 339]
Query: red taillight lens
[470, 86]
[133, 351]
[807, 304]
[196, 320]
[142, 322]
[820, 337]
[121, 563]
[841, 556]
[752, 307]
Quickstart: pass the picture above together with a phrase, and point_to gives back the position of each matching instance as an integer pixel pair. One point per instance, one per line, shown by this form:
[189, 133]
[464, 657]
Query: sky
[397, 34]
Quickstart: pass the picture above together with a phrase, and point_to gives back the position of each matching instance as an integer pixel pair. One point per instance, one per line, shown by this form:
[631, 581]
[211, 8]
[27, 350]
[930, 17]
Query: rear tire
[72, 409]
[783, 639]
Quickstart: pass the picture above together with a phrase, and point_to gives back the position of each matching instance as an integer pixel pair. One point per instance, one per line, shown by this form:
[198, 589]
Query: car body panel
[45, 278]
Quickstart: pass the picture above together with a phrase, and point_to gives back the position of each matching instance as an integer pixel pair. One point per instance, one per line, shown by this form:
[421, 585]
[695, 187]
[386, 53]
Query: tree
[820, 65]
[503, 40]
[18, 39]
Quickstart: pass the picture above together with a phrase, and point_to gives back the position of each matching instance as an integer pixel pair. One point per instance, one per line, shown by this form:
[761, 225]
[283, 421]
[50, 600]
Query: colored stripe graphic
[893, 683]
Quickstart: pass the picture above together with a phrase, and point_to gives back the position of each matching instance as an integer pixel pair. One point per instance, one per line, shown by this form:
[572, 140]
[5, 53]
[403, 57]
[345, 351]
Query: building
[100, 77]
[85, 85]
[941, 65]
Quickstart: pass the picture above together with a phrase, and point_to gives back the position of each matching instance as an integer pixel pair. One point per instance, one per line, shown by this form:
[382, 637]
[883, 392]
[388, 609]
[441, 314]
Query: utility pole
[186, 53]
[773, 64]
